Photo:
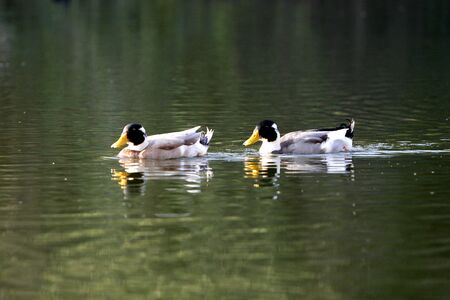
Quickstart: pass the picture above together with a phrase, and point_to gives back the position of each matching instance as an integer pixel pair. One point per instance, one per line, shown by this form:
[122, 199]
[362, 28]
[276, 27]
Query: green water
[77, 223]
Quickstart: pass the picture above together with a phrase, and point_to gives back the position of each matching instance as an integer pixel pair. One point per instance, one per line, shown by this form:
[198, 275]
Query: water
[76, 222]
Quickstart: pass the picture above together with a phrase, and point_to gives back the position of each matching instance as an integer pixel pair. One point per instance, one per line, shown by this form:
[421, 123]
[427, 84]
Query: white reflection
[135, 173]
[329, 163]
[267, 170]
[264, 170]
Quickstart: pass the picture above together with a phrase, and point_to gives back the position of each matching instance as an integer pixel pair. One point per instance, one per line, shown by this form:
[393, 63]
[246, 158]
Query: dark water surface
[77, 223]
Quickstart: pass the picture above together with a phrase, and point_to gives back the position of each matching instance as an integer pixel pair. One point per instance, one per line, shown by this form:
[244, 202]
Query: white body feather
[309, 142]
[186, 143]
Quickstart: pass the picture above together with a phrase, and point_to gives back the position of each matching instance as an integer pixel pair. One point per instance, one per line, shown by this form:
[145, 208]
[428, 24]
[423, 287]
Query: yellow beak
[253, 139]
[122, 141]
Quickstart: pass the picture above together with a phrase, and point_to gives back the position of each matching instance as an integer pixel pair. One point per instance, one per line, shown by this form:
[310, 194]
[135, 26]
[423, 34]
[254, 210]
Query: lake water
[77, 223]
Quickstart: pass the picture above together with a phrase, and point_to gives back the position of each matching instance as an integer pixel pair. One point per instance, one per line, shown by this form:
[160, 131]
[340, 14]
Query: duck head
[132, 134]
[267, 132]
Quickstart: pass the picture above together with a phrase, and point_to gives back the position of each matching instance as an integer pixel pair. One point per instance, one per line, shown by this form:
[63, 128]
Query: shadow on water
[270, 166]
[134, 174]
[266, 171]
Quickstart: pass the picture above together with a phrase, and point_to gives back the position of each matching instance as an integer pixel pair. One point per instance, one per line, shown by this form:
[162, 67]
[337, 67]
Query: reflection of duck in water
[270, 166]
[136, 172]
[332, 163]
[315, 141]
[262, 167]
[264, 170]
[187, 143]
[130, 183]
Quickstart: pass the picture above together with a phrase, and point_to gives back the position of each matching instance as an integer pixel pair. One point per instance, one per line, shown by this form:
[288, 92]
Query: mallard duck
[187, 143]
[328, 140]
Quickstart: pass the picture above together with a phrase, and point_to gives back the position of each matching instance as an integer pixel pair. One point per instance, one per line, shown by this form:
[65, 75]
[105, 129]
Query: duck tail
[205, 138]
[351, 128]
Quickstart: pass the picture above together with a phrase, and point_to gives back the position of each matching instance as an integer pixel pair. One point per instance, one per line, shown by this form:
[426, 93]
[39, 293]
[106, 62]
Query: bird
[313, 141]
[186, 143]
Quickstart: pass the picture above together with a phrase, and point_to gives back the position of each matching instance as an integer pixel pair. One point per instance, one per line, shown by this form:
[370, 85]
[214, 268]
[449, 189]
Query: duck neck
[270, 147]
[139, 147]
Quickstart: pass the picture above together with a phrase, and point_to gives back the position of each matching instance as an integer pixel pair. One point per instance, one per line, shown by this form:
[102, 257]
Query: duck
[186, 143]
[312, 141]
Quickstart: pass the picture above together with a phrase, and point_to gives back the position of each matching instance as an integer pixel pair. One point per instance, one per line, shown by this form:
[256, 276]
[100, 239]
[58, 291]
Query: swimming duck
[187, 143]
[328, 140]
